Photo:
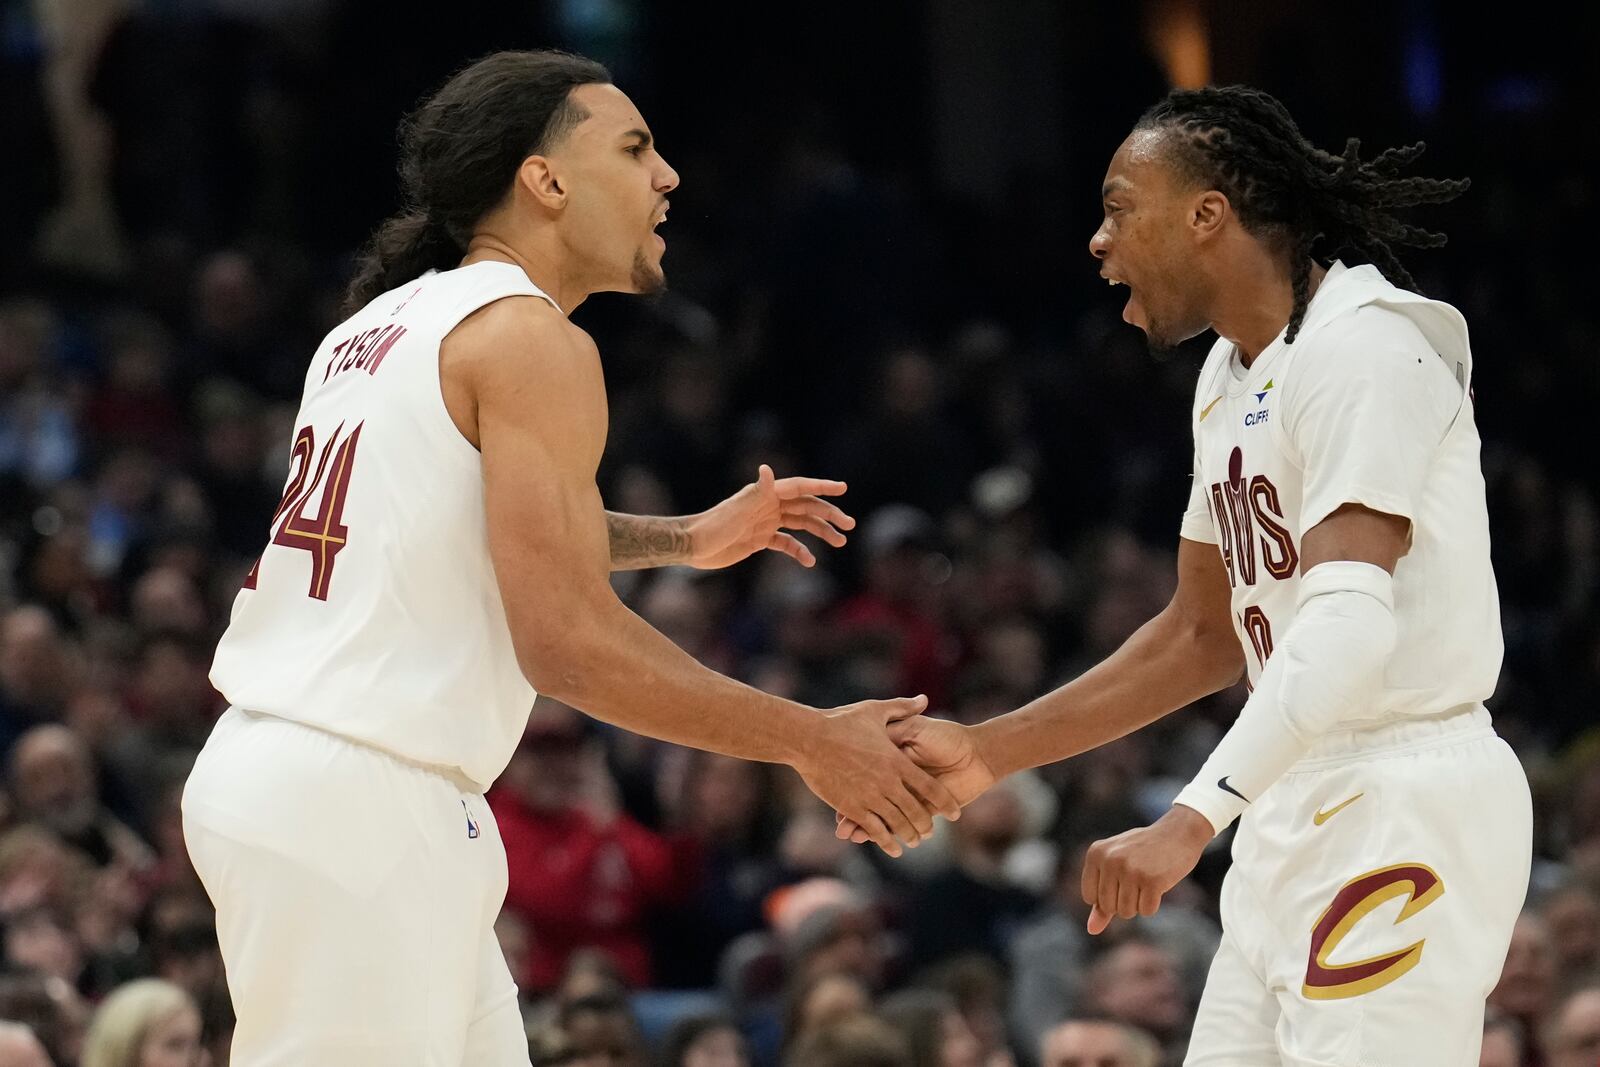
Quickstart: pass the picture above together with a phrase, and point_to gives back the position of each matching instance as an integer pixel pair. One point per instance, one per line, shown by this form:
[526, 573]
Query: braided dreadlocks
[1242, 142]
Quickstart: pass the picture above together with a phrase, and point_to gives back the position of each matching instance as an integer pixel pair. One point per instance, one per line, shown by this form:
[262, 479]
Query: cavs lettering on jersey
[373, 612]
[1371, 405]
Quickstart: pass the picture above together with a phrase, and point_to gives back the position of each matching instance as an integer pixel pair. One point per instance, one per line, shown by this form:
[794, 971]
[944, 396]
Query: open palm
[755, 518]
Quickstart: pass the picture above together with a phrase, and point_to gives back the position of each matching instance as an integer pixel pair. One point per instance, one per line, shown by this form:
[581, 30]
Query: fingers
[884, 824]
[915, 812]
[1127, 898]
[789, 488]
[814, 526]
[931, 790]
[898, 821]
[1089, 883]
[847, 830]
[819, 509]
[1149, 900]
[765, 478]
[1098, 921]
[899, 708]
[782, 542]
[880, 833]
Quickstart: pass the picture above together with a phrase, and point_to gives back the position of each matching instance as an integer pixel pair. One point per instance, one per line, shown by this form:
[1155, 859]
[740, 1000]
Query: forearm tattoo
[640, 541]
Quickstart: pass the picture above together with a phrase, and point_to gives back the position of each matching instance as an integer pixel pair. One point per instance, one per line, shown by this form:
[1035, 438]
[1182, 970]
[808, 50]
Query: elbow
[1216, 650]
[554, 665]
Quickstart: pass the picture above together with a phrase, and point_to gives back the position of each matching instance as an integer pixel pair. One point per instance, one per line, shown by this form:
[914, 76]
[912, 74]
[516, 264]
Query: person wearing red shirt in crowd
[582, 872]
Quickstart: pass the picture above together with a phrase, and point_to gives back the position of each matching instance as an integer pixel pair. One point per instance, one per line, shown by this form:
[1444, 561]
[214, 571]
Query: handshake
[887, 770]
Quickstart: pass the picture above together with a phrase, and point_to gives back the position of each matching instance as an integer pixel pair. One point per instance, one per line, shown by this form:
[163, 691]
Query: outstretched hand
[756, 517]
[942, 748]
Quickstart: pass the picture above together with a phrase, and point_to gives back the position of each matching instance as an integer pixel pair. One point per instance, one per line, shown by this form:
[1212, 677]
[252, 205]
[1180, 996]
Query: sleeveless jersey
[373, 612]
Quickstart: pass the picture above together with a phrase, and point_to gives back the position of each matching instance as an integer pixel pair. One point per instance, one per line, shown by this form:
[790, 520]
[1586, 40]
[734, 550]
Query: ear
[1209, 212]
[538, 178]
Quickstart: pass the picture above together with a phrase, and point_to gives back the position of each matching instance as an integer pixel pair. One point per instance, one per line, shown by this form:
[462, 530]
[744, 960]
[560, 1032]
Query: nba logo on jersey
[472, 827]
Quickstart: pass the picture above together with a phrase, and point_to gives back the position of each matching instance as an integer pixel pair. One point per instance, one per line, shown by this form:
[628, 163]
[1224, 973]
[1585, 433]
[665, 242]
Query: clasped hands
[1123, 876]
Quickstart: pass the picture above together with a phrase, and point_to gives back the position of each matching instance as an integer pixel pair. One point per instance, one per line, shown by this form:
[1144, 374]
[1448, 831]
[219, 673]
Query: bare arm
[639, 541]
[529, 391]
[1186, 652]
[752, 520]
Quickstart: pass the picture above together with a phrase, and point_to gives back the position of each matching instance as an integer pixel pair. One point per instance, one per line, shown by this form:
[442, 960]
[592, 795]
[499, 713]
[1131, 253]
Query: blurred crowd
[182, 226]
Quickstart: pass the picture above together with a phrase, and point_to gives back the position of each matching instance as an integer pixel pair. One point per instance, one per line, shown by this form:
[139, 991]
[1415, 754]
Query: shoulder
[518, 338]
[1206, 384]
[1363, 347]
[1370, 333]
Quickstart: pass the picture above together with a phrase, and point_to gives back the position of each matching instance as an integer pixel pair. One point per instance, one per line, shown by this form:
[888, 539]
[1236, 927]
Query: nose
[667, 179]
[1100, 243]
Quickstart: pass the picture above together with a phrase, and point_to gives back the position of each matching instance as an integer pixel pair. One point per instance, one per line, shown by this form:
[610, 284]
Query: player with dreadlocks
[1335, 551]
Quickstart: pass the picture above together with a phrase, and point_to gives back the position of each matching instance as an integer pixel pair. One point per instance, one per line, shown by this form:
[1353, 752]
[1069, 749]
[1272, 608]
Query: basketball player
[1336, 549]
[441, 552]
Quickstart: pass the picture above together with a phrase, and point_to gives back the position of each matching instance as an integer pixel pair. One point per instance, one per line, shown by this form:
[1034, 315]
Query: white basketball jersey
[373, 613]
[1371, 405]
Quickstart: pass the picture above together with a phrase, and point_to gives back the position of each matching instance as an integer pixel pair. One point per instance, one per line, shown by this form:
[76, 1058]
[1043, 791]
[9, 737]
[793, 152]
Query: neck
[1256, 305]
[542, 266]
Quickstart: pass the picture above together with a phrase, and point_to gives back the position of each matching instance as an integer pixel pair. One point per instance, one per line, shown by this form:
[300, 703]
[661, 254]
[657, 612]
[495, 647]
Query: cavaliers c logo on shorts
[1328, 981]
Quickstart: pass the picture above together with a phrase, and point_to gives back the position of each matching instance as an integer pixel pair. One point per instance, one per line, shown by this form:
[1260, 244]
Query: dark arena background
[878, 273]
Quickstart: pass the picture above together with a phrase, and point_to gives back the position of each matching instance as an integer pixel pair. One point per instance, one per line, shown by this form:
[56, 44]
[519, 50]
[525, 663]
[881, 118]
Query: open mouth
[661, 217]
[1132, 311]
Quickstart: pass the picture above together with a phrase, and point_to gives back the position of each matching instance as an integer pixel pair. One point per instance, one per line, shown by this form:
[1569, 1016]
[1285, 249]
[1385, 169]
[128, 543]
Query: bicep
[541, 427]
[1359, 534]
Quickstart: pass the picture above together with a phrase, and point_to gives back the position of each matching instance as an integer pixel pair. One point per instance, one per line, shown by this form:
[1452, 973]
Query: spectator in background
[43, 941]
[723, 820]
[892, 614]
[704, 1041]
[856, 1041]
[977, 984]
[1049, 955]
[38, 871]
[148, 1023]
[582, 872]
[1573, 916]
[935, 1030]
[1098, 1043]
[1503, 1044]
[36, 672]
[818, 1001]
[1135, 981]
[1572, 1037]
[971, 906]
[54, 785]
[907, 448]
[604, 1032]
[50, 1008]
[133, 406]
[38, 433]
[1527, 988]
[20, 1048]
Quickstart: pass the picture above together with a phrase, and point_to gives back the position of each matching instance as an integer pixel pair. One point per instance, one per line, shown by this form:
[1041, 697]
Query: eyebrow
[1113, 186]
[643, 136]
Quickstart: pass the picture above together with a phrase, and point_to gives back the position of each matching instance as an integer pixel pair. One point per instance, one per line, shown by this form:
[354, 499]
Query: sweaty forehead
[1139, 163]
[610, 112]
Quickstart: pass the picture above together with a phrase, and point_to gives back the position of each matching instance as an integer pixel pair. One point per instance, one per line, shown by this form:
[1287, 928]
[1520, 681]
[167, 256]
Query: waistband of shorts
[452, 775]
[1465, 722]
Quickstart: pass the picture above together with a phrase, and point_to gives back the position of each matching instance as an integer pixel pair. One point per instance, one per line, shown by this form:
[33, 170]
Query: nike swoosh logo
[1323, 816]
[1222, 784]
[1207, 410]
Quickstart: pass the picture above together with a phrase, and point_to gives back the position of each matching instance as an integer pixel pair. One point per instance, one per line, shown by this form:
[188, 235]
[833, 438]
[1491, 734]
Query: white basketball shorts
[1370, 903]
[356, 897]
